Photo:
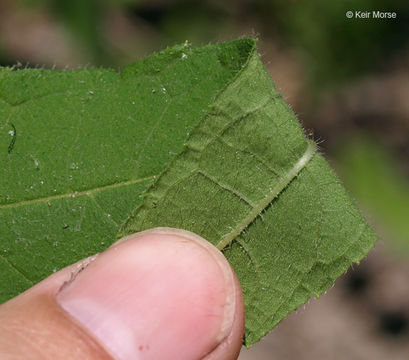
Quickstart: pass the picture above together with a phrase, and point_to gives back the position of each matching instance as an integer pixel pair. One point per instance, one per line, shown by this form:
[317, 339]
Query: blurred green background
[348, 81]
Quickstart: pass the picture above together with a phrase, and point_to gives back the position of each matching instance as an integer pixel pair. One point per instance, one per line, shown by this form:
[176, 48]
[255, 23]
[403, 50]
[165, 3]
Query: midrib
[275, 192]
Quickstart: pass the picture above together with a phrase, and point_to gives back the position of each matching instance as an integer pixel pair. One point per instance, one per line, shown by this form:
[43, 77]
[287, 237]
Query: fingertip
[229, 348]
[163, 293]
[154, 291]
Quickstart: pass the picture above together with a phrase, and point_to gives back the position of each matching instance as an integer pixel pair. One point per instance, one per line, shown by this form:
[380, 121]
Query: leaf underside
[251, 183]
[209, 142]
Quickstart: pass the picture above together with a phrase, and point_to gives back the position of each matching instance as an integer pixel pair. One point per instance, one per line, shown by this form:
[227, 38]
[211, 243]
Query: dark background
[348, 82]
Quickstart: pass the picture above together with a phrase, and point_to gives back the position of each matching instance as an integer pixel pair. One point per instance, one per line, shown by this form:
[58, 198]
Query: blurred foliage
[335, 47]
[4, 57]
[197, 22]
[82, 18]
[371, 173]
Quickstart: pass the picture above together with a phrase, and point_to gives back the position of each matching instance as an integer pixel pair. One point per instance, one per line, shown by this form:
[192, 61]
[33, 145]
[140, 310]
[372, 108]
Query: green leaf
[208, 139]
[77, 148]
[251, 183]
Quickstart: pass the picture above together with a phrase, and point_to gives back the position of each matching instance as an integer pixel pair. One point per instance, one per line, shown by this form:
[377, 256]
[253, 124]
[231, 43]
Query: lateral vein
[13, 267]
[75, 193]
[226, 187]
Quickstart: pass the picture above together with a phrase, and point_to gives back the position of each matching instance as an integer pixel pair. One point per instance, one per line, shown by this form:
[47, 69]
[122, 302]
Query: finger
[159, 294]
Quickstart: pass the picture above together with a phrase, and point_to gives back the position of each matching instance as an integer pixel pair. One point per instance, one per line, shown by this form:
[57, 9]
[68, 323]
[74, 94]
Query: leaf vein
[75, 193]
[226, 187]
[13, 267]
[258, 157]
[92, 198]
[271, 195]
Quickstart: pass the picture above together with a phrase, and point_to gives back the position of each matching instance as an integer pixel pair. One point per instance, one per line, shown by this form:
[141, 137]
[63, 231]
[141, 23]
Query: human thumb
[160, 294]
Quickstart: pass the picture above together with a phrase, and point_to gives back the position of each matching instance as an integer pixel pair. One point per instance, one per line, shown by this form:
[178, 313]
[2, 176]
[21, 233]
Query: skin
[176, 294]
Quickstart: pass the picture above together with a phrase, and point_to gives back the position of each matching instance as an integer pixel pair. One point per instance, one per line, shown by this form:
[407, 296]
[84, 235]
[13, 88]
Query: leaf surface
[207, 139]
[77, 148]
[251, 183]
